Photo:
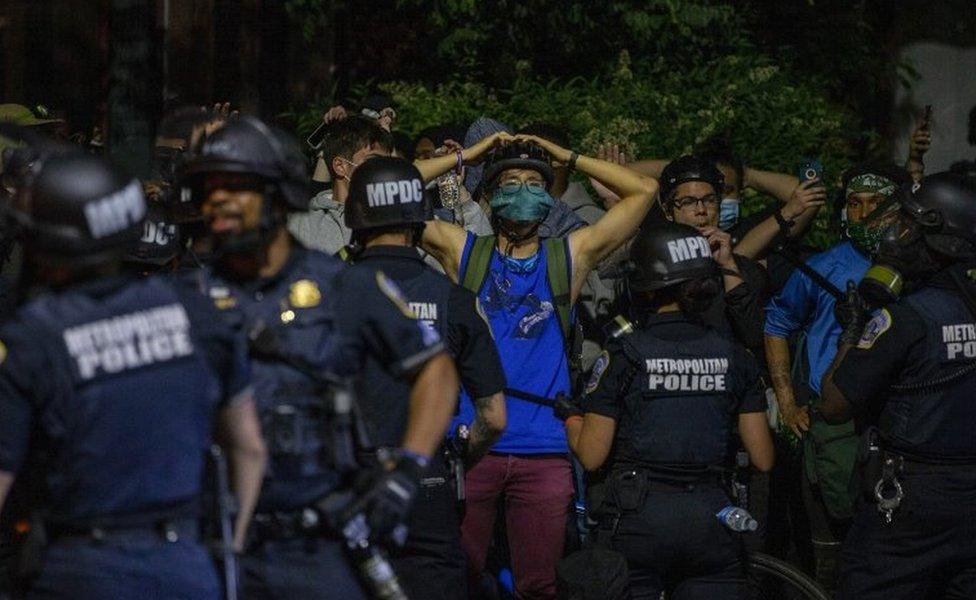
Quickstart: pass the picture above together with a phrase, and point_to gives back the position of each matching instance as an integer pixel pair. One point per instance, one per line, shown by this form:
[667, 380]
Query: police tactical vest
[293, 410]
[933, 420]
[131, 413]
[679, 408]
[428, 296]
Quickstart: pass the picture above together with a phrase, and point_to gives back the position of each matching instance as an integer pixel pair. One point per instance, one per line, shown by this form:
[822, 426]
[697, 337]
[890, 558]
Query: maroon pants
[538, 493]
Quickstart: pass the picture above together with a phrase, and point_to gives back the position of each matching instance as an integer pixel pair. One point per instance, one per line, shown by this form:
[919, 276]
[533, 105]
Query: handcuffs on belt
[889, 470]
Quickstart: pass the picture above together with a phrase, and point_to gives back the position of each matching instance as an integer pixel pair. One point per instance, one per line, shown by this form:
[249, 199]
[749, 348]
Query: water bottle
[737, 518]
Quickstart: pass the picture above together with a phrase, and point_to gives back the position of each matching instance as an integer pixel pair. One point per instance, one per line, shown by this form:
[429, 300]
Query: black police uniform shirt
[439, 305]
[675, 388]
[329, 318]
[108, 392]
[923, 337]
[739, 311]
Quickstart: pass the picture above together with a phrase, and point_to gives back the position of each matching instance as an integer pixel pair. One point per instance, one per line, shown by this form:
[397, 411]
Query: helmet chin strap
[514, 237]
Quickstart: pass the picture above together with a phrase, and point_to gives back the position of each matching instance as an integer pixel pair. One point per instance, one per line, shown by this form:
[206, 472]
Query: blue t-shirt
[804, 305]
[516, 298]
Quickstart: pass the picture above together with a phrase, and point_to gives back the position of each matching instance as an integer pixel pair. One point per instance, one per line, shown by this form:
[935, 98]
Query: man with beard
[314, 316]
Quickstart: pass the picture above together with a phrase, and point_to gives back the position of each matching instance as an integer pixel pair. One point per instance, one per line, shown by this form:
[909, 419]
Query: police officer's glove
[852, 313]
[567, 406]
[388, 495]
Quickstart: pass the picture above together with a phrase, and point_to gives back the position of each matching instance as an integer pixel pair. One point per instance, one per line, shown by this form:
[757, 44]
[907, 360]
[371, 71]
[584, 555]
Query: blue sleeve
[787, 311]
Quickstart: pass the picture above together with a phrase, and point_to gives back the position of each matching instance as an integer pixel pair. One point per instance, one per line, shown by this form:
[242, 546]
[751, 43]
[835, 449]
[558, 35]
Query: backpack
[557, 273]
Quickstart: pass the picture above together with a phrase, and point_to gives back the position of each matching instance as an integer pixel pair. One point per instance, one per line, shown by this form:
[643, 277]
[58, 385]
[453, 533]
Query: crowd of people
[370, 366]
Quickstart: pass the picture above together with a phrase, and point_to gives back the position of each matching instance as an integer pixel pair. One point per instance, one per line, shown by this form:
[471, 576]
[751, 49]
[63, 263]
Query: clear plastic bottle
[737, 518]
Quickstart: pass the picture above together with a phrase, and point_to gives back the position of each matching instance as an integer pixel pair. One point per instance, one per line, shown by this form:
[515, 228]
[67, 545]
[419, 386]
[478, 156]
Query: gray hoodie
[322, 226]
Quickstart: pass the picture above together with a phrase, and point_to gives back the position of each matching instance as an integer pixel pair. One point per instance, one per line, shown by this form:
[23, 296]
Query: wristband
[784, 224]
[460, 162]
[573, 418]
[572, 160]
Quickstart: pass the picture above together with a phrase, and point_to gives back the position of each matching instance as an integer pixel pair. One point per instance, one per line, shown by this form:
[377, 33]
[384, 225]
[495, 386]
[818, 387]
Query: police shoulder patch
[875, 329]
[391, 291]
[599, 368]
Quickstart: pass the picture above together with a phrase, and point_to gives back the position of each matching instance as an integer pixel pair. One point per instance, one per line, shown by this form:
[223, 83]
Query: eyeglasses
[512, 186]
[710, 201]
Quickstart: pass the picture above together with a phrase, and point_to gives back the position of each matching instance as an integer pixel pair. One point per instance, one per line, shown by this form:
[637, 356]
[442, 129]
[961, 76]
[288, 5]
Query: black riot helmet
[517, 155]
[248, 145]
[79, 211]
[160, 243]
[690, 168]
[664, 254]
[387, 192]
[944, 205]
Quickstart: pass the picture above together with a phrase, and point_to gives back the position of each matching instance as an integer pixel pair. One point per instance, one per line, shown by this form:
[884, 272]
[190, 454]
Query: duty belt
[289, 524]
[172, 524]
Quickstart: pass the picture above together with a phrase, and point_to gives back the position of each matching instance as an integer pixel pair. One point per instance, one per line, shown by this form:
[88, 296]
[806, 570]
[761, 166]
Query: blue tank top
[517, 301]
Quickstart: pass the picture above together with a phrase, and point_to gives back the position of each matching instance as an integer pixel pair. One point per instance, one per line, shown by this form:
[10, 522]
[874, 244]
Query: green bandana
[871, 183]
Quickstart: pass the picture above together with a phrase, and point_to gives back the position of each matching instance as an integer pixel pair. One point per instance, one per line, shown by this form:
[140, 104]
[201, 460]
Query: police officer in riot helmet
[111, 388]
[306, 313]
[386, 211]
[661, 405]
[909, 378]
[691, 189]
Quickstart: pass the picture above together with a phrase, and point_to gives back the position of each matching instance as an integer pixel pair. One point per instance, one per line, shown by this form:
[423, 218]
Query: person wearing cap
[907, 375]
[528, 288]
[804, 307]
[304, 313]
[387, 211]
[18, 114]
[112, 388]
[662, 405]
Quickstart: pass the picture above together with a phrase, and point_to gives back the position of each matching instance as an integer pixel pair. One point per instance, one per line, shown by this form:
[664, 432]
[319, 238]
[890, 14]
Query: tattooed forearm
[489, 422]
[778, 361]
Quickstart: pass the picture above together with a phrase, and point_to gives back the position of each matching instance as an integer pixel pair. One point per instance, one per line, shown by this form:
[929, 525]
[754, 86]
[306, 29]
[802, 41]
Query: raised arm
[432, 168]
[445, 242]
[590, 244]
[652, 167]
[777, 185]
[803, 205]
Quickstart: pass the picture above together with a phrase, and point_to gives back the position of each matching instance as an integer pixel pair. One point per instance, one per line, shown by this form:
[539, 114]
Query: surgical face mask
[521, 201]
[728, 214]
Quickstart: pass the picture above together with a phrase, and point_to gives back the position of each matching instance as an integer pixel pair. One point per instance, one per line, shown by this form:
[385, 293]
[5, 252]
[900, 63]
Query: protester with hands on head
[513, 276]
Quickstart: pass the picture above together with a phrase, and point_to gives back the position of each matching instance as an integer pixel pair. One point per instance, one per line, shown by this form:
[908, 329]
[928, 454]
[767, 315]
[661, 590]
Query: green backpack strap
[557, 271]
[476, 269]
